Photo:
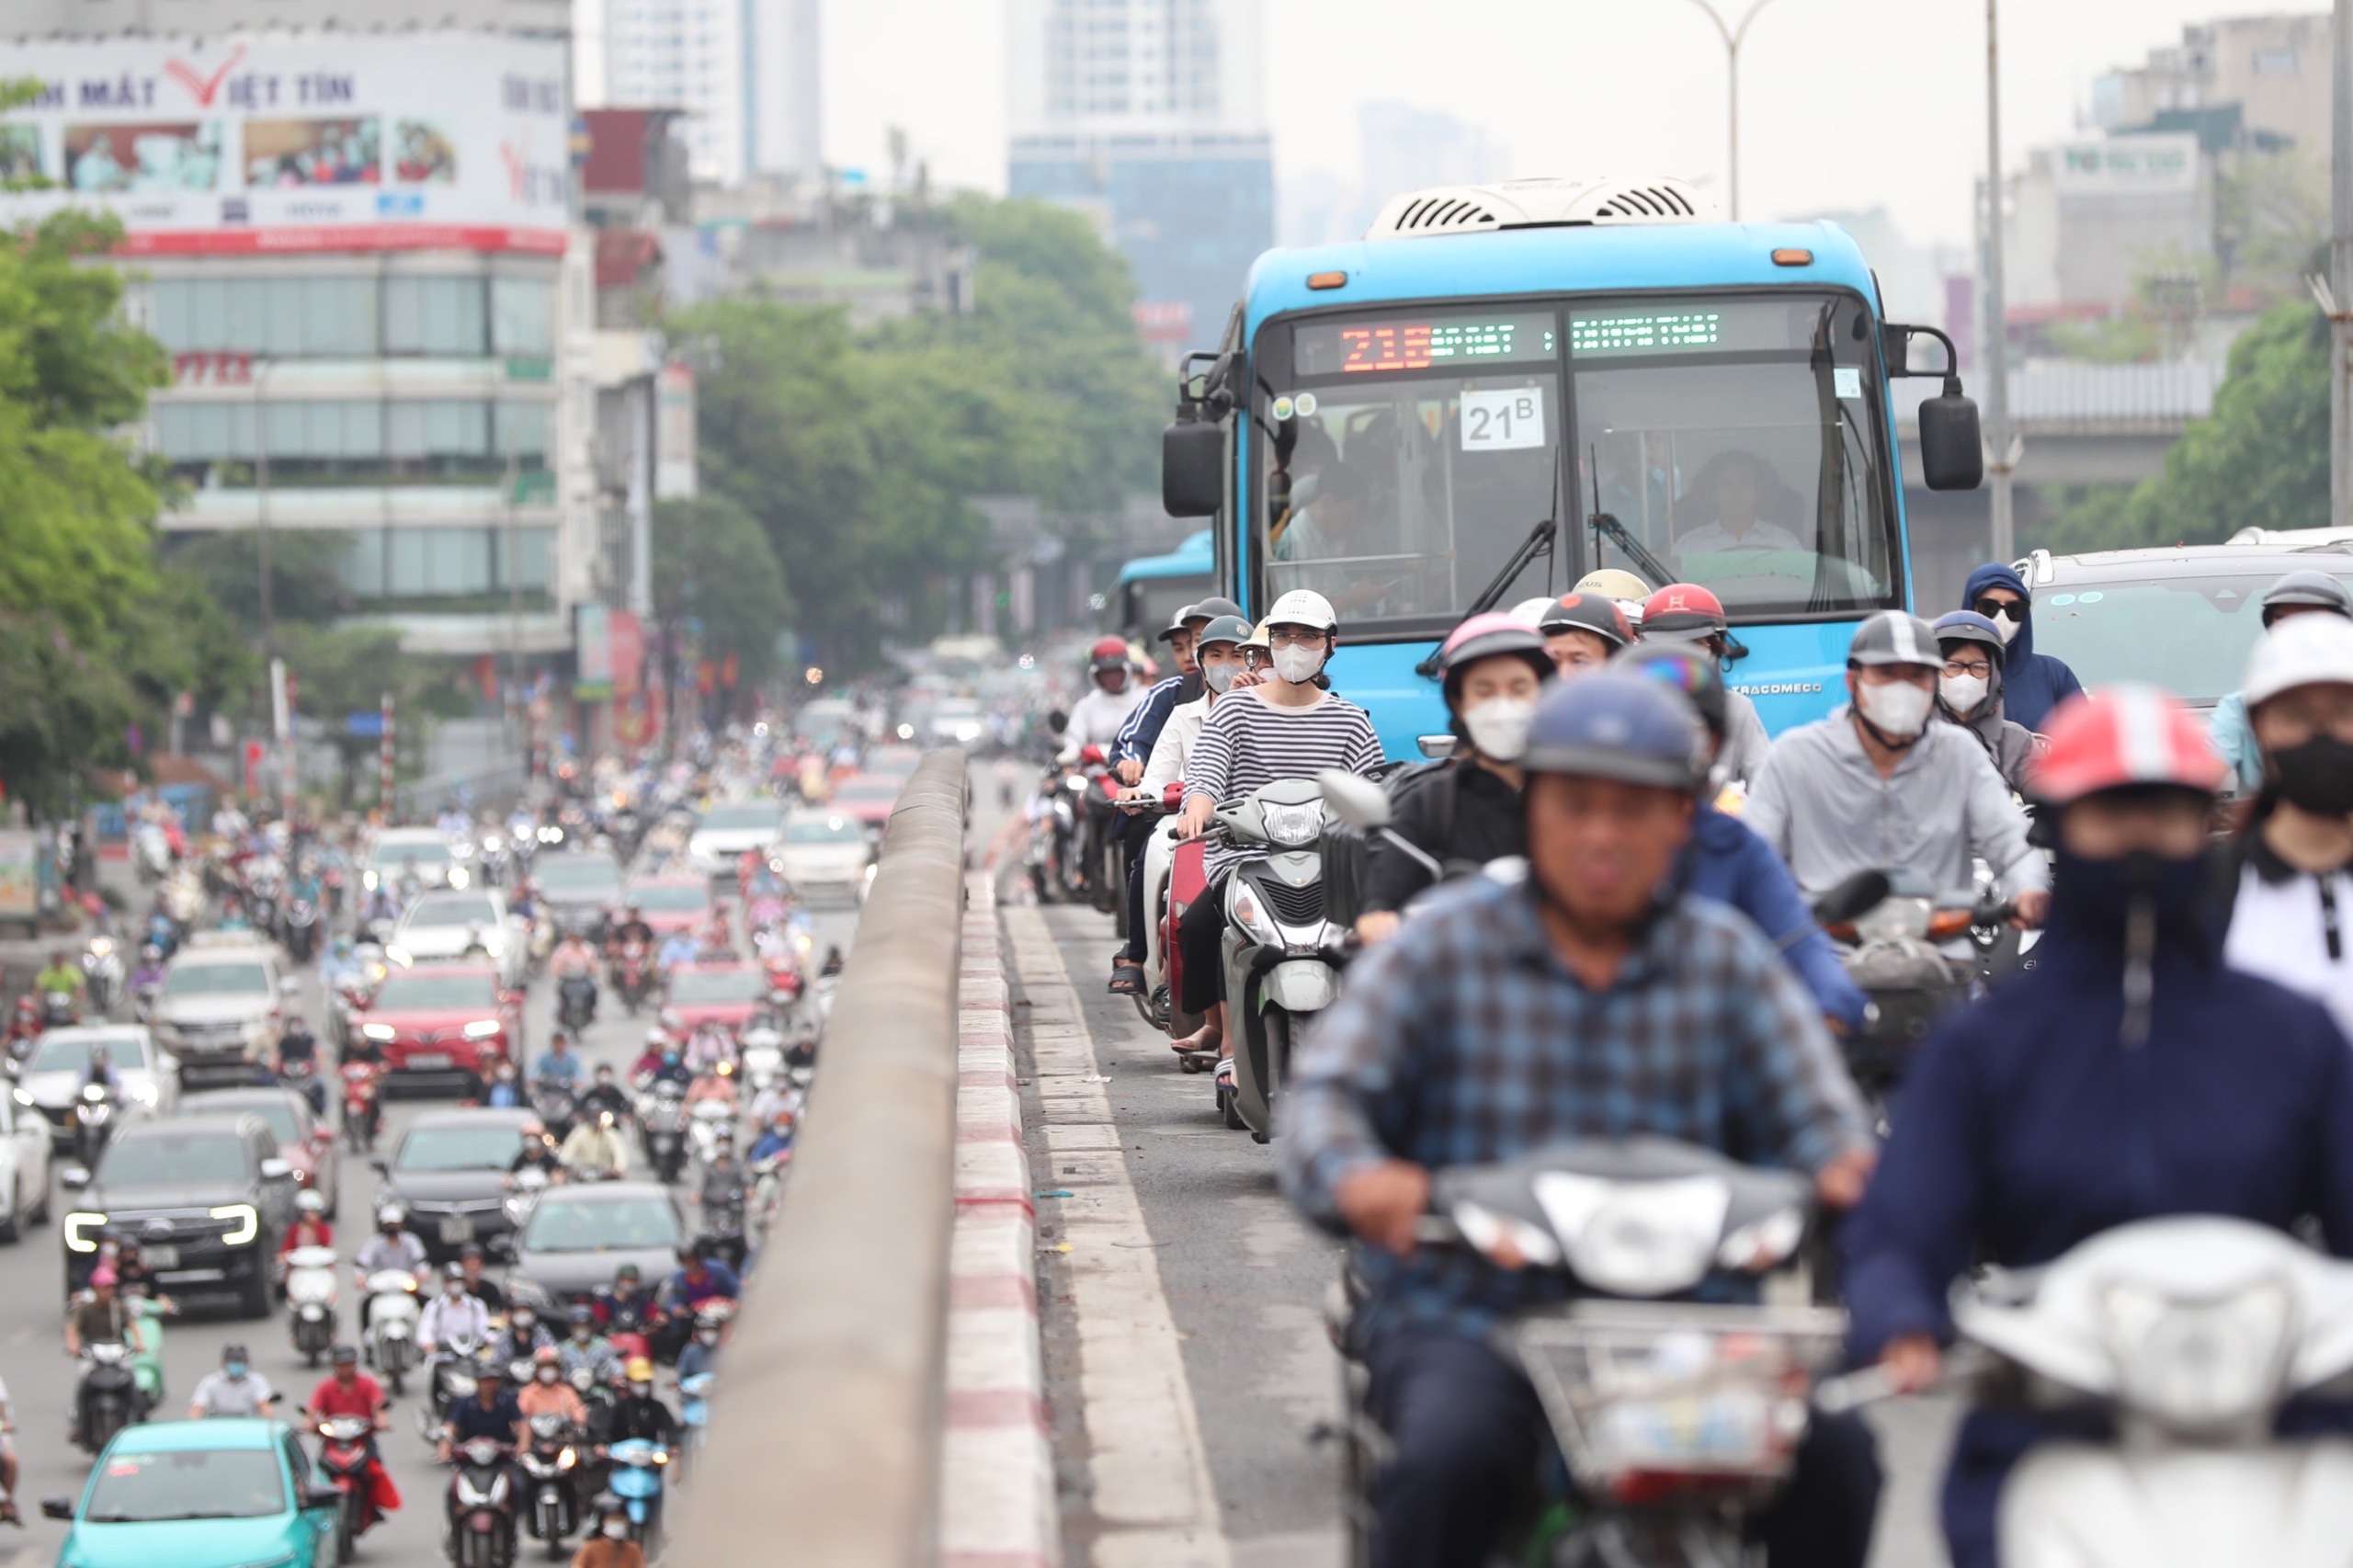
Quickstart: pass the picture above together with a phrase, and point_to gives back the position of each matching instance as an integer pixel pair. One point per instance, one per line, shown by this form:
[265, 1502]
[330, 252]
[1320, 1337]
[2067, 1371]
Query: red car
[671, 904]
[722, 993]
[868, 797]
[442, 1020]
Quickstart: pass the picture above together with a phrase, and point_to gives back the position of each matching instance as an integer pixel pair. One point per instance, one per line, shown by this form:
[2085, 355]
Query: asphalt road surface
[1246, 1282]
[41, 1379]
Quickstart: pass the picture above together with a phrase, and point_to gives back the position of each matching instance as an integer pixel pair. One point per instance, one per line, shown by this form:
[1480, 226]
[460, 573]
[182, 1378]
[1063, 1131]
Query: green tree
[710, 560]
[2259, 461]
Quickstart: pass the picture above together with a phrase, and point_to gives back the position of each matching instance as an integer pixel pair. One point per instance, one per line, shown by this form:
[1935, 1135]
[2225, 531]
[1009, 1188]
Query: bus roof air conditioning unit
[1539, 204]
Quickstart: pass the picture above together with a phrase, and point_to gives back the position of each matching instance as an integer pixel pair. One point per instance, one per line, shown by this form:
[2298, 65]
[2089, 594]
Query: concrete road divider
[826, 1426]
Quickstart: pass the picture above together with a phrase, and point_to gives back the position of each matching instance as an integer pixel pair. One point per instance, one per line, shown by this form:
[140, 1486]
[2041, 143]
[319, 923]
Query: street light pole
[1733, 36]
[261, 509]
[2002, 455]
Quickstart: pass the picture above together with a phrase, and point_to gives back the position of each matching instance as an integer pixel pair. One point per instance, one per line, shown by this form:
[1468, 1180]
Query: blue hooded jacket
[2028, 1126]
[2032, 684]
[1727, 862]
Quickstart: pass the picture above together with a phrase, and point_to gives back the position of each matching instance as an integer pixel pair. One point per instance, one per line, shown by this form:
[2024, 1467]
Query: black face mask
[1189, 688]
[2316, 776]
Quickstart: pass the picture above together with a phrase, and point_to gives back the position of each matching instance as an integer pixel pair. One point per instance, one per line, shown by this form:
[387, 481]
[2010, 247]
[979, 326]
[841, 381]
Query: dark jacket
[1457, 810]
[2029, 1126]
[2032, 684]
[1730, 864]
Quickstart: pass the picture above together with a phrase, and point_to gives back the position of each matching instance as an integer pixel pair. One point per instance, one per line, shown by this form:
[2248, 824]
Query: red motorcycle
[633, 973]
[363, 1110]
[344, 1459]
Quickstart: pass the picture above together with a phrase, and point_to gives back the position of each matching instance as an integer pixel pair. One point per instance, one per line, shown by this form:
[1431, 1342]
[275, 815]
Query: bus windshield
[1735, 440]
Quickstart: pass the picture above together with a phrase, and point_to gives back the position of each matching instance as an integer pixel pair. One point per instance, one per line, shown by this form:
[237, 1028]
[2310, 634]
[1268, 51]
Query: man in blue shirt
[492, 1413]
[700, 1278]
[1589, 1000]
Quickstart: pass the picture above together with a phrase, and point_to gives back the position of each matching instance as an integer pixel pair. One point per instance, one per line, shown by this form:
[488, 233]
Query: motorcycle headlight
[481, 1029]
[100, 947]
[24, 1098]
[245, 1221]
[2199, 1367]
[1647, 1238]
[368, 880]
[566, 1460]
[382, 1034]
[1243, 906]
[458, 877]
[1292, 825]
[493, 943]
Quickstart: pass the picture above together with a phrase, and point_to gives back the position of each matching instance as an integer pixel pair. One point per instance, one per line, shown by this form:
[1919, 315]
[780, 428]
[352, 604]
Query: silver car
[457, 924]
[221, 1005]
[60, 1065]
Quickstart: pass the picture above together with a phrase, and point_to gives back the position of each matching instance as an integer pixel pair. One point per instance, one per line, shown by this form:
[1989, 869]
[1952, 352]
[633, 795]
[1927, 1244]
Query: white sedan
[454, 924]
[826, 852]
[724, 834]
[60, 1065]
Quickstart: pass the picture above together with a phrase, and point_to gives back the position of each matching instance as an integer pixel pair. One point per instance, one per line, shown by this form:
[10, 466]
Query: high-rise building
[746, 72]
[1147, 115]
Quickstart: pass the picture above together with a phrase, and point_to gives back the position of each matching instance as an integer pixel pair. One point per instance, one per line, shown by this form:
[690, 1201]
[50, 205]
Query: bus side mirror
[1192, 467]
[1953, 456]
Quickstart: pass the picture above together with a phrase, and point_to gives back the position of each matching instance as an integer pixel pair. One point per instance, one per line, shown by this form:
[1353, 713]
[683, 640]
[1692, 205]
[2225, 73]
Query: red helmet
[1107, 653]
[1683, 612]
[2121, 737]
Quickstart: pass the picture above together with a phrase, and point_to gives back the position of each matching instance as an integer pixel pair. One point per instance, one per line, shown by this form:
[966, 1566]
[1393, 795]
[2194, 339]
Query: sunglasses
[2015, 610]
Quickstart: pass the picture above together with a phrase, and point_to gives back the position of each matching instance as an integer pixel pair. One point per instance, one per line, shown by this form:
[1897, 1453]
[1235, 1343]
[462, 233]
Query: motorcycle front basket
[1650, 1399]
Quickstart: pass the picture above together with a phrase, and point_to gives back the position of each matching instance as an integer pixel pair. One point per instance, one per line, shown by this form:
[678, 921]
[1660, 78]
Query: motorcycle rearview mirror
[57, 1507]
[289, 986]
[1862, 891]
[1358, 801]
[74, 1178]
[321, 1498]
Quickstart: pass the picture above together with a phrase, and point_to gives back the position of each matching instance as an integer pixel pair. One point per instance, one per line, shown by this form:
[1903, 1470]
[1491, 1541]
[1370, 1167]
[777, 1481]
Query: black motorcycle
[481, 1506]
[301, 932]
[550, 1467]
[575, 1002]
[108, 1398]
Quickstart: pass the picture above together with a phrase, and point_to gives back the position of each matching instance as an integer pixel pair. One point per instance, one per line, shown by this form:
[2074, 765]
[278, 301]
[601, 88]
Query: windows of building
[325, 442]
[463, 317]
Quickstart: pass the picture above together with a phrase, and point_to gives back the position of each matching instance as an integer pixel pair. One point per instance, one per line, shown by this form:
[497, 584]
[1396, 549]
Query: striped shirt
[1247, 744]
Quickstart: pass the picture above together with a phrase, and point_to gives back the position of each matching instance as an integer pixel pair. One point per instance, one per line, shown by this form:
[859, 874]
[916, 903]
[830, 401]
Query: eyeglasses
[1961, 668]
[1294, 637]
[2013, 609]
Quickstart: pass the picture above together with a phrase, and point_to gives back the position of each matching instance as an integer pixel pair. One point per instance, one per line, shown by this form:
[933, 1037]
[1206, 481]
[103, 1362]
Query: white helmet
[1302, 606]
[1530, 612]
[2303, 650]
[309, 1202]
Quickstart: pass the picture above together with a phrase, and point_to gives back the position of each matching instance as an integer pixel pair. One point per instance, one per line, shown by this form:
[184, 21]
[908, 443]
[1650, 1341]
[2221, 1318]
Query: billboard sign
[286, 141]
[2140, 165]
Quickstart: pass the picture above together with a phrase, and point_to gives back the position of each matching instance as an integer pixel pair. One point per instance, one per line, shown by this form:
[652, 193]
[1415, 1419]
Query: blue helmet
[1613, 724]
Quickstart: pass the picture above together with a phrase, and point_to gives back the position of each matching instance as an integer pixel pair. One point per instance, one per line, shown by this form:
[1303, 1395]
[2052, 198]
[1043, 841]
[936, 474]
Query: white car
[60, 1064]
[222, 1003]
[24, 1168]
[397, 850]
[724, 834]
[826, 852]
[455, 924]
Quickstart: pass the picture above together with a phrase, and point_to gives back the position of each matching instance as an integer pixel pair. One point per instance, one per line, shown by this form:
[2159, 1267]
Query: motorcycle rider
[1729, 863]
[479, 1284]
[574, 959]
[524, 1337]
[679, 948]
[1465, 809]
[60, 973]
[539, 1152]
[1685, 612]
[98, 1317]
[583, 1347]
[1878, 786]
[348, 1391]
[452, 1314]
[504, 1090]
[638, 1412]
[627, 1307]
[1969, 693]
[725, 1196]
[148, 975]
[2033, 683]
[2294, 881]
[1582, 631]
[2304, 592]
[595, 1150]
[604, 1094]
[558, 1066]
[610, 1547]
[2129, 1074]
[703, 1351]
[699, 1278]
[1589, 1000]
[547, 1393]
[235, 1389]
[1284, 727]
[776, 1140]
[298, 1063]
[631, 927]
[394, 1246]
[310, 1228]
[661, 1062]
[1111, 695]
[492, 1413]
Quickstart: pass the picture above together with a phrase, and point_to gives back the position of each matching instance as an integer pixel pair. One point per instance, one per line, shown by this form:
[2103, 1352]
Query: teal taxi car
[228, 1492]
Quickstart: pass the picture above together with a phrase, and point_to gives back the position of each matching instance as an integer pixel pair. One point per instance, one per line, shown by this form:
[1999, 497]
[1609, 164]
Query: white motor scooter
[311, 1288]
[2190, 1333]
[392, 1312]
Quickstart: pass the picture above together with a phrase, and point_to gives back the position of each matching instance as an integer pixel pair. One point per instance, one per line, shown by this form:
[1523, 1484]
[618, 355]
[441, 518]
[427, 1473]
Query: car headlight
[244, 1217]
[382, 1034]
[368, 880]
[2198, 1366]
[82, 1228]
[458, 875]
[493, 943]
[145, 1094]
[1649, 1238]
[1242, 904]
[481, 1029]
[400, 956]
[1292, 825]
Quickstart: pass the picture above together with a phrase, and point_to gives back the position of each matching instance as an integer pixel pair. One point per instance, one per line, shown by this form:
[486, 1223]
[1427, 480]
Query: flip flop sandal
[1126, 980]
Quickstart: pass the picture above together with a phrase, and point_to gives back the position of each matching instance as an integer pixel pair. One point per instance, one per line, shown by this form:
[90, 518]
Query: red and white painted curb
[998, 1505]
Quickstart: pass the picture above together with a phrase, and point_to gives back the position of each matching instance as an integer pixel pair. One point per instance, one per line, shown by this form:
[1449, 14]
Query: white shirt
[218, 1394]
[444, 1320]
[1097, 718]
[1176, 743]
[2279, 930]
[1714, 539]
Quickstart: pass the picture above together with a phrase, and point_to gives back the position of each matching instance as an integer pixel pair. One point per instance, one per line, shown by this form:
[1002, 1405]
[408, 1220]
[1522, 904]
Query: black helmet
[343, 1356]
[1586, 613]
[1685, 668]
[1617, 725]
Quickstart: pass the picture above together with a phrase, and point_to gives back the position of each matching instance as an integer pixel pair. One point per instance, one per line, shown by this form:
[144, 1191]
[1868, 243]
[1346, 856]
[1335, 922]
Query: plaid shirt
[1464, 1040]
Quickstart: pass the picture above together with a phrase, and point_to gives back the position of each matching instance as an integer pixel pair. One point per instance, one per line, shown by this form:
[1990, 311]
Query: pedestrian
[2032, 684]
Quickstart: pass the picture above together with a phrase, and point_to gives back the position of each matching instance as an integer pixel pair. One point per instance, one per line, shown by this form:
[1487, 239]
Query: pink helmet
[103, 1274]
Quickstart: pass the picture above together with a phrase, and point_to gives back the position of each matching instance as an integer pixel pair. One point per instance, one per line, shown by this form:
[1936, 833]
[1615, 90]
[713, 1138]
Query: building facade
[1148, 115]
[746, 73]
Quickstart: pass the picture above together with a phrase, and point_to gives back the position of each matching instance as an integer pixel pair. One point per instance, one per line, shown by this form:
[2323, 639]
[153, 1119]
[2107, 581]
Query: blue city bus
[1423, 424]
[1153, 588]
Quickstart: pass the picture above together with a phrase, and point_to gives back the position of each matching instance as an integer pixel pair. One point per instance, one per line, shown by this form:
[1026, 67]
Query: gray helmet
[1894, 637]
[1225, 629]
[1211, 608]
[2307, 588]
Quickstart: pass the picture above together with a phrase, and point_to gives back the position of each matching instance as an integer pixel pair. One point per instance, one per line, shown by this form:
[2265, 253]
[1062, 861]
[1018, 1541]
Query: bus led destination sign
[1395, 344]
[1648, 332]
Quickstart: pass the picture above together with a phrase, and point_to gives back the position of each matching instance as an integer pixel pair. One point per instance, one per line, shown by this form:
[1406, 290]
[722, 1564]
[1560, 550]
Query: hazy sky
[1845, 103]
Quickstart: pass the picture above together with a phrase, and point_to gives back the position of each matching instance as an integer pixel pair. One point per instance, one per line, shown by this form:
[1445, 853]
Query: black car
[205, 1198]
[450, 1173]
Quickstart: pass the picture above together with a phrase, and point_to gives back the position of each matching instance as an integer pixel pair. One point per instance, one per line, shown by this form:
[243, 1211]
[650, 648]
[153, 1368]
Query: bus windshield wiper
[1541, 541]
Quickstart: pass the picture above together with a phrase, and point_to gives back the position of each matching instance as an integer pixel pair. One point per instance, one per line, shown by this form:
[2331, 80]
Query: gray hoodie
[1823, 806]
[2009, 743]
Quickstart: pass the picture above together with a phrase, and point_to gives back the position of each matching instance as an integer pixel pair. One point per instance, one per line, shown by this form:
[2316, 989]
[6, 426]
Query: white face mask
[1298, 665]
[616, 1530]
[1963, 693]
[1499, 727]
[1219, 677]
[2005, 628]
[1899, 708]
